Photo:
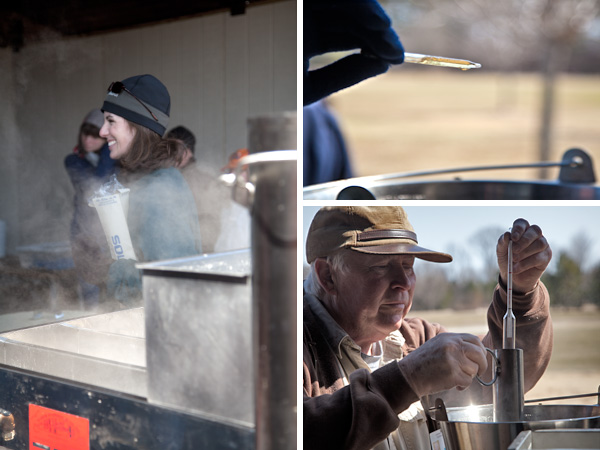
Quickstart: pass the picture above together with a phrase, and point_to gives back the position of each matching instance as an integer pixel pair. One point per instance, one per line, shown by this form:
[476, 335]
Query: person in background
[235, 218]
[162, 220]
[366, 363]
[88, 167]
[210, 195]
[325, 154]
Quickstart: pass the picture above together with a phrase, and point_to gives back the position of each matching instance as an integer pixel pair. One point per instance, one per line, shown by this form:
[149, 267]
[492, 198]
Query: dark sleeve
[361, 414]
[106, 165]
[78, 169]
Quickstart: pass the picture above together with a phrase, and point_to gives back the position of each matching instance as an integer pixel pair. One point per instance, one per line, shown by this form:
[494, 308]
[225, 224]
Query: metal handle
[496, 371]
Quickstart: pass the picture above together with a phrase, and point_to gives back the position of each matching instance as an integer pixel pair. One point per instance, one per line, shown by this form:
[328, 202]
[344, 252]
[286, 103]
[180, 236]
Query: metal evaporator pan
[472, 427]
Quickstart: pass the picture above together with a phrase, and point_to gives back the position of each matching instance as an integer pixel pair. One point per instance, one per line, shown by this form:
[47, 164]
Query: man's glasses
[116, 87]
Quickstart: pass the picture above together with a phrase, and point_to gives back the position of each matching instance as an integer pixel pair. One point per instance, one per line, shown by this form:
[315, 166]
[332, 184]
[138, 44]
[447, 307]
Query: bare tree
[579, 251]
[518, 33]
[485, 241]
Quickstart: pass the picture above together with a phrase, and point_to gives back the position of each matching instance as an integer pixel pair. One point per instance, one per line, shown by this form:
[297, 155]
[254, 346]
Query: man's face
[374, 294]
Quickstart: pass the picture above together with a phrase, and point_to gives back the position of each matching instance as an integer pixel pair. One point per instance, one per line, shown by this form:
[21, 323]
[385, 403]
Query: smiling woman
[118, 133]
[162, 220]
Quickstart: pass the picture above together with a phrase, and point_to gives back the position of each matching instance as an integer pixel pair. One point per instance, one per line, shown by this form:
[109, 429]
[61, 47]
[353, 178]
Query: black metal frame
[117, 421]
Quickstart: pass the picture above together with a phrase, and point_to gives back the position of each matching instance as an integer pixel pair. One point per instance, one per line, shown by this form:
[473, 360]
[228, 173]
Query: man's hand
[531, 255]
[448, 360]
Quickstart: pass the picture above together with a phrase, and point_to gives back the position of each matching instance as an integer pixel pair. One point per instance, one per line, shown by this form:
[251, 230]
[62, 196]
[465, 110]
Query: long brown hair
[149, 151]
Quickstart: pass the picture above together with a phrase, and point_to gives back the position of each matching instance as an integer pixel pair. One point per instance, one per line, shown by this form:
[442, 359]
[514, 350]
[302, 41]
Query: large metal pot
[472, 427]
[576, 182]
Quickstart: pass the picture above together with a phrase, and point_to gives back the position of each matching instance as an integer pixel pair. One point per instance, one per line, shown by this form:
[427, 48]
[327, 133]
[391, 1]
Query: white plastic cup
[112, 210]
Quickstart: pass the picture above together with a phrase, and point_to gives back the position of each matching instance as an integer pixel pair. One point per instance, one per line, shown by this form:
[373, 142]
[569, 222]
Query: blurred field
[575, 364]
[441, 118]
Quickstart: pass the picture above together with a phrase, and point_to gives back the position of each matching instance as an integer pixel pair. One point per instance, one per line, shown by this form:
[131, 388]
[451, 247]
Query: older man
[366, 364]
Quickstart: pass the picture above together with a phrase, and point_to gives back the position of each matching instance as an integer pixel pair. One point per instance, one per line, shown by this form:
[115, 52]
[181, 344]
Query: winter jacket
[361, 410]
[163, 224]
[211, 198]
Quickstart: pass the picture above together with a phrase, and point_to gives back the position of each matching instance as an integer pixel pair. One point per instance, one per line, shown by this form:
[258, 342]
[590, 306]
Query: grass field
[575, 364]
[437, 118]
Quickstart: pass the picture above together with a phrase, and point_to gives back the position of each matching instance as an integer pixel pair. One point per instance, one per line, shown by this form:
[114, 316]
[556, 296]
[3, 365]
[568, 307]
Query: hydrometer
[509, 321]
[441, 61]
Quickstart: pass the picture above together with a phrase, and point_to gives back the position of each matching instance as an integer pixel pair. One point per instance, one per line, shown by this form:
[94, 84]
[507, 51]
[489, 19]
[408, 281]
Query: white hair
[338, 264]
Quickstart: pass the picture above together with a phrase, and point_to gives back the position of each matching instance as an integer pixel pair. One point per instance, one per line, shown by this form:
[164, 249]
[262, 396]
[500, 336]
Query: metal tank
[473, 427]
[576, 181]
[209, 362]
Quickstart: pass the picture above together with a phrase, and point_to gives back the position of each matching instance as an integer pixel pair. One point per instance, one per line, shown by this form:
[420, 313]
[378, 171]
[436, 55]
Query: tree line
[570, 282]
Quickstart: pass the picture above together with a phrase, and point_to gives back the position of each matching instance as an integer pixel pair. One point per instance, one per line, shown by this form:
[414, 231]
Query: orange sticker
[50, 429]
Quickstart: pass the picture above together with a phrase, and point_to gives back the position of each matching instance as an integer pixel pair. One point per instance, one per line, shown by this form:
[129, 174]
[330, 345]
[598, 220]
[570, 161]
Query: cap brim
[405, 249]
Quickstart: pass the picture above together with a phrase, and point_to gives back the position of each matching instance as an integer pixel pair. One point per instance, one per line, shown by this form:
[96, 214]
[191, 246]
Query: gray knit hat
[141, 99]
[94, 117]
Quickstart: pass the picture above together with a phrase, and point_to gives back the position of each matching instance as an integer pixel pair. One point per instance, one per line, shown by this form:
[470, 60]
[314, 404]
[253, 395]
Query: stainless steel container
[473, 428]
[576, 181]
[458, 190]
[586, 439]
[198, 335]
[104, 350]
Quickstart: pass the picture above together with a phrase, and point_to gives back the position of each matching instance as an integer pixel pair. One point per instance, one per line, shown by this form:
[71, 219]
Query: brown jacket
[365, 412]
[211, 197]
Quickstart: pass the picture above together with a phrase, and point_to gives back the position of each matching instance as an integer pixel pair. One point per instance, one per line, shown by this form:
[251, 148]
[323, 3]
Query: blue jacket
[325, 153]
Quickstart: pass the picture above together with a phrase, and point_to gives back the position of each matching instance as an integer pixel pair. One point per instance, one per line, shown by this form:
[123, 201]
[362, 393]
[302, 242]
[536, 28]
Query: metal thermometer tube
[509, 321]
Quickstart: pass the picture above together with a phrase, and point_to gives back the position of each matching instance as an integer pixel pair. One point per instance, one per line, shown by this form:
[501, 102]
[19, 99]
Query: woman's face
[91, 143]
[118, 133]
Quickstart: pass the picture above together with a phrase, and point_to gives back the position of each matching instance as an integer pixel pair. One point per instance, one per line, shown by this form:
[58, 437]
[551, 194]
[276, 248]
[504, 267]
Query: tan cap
[379, 230]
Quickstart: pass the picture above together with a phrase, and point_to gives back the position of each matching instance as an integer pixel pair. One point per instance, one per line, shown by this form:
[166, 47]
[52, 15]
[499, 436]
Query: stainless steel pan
[576, 181]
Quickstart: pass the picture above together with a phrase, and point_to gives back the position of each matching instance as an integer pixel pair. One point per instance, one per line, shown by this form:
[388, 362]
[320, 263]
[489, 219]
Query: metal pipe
[272, 203]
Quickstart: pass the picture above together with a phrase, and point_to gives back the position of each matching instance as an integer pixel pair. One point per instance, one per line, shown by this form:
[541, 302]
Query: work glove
[339, 25]
[124, 282]
[447, 361]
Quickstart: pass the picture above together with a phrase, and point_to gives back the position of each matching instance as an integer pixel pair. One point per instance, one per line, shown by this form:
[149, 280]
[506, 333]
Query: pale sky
[450, 228]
